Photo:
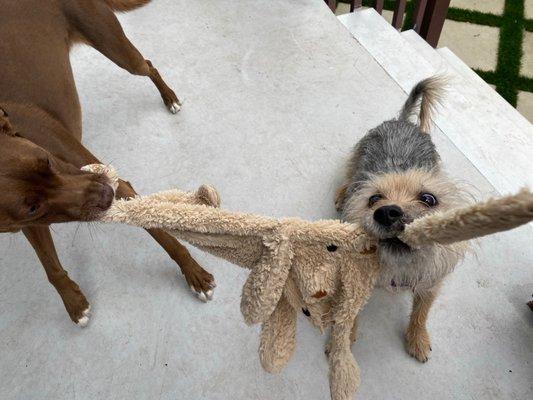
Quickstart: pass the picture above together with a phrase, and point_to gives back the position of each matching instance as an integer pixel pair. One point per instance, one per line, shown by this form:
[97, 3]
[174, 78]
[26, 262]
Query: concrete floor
[274, 97]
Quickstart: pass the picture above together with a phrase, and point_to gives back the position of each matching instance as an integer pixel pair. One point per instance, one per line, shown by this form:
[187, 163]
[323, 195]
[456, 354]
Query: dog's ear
[264, 286]
[5, 126]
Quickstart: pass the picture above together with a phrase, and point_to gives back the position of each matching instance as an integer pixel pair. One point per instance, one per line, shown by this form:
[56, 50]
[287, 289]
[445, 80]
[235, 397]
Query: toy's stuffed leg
[265, 284]
[343, 369]
[205, 195]
[278, 337]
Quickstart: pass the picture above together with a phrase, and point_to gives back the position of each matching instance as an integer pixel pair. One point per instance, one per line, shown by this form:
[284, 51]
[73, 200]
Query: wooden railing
[428, 15]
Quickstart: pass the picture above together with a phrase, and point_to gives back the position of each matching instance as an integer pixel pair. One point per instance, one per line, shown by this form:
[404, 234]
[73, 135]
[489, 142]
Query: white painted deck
[275, 94]
[487, 129]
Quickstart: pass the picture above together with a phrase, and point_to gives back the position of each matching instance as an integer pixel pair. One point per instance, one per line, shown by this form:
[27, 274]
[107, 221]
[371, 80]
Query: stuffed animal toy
[326, 268]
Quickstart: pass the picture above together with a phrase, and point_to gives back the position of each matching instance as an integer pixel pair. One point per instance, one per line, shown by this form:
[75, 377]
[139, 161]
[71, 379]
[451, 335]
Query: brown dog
[40, 130]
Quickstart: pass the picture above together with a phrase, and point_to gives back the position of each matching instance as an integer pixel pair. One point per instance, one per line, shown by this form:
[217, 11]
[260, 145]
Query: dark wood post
[332, 5]
[434, 17]
[418, 14]
[378, 6]
[399, 11]
[355, 4]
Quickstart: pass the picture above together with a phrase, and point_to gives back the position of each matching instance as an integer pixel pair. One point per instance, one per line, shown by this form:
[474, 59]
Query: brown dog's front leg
[75, 302]
[199, 280]
[73, 152]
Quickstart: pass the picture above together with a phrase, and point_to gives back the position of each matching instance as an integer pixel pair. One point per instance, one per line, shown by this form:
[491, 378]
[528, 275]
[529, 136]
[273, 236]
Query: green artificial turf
[512, 24]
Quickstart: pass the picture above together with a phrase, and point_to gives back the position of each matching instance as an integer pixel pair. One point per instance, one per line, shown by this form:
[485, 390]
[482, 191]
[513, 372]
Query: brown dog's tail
[126, 5]
[425, 95]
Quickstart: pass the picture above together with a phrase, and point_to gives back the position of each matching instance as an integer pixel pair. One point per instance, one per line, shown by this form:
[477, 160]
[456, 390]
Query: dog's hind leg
[75, 302]
[95, 21]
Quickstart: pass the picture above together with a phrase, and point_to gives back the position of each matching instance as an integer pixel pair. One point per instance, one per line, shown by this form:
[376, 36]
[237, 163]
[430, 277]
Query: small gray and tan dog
[394, 176]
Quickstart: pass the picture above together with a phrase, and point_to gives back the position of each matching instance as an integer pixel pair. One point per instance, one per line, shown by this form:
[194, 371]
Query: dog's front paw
[171, 100]
[84, 320]
[174, 107]
[76, 304]
[418, 344]
[201, 282]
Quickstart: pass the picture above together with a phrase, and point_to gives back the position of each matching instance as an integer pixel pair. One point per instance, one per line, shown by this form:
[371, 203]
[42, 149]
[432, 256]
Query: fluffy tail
[424, 96]
[126, 5]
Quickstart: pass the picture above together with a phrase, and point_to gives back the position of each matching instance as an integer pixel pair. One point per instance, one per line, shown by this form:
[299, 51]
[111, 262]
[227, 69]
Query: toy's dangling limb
[343, 369]
[278, 337]
[205, 195]
[264, 286]
[491, 216]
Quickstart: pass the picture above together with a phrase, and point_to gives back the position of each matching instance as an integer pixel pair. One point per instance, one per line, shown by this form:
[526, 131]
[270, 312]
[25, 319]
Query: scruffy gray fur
[393, 146]
[394, 177]
[399, 145]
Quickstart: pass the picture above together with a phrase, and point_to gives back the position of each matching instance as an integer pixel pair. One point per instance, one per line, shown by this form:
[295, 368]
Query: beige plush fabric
[326, 267]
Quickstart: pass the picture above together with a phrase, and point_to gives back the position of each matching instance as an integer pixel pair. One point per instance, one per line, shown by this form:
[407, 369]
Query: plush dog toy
[326, 268]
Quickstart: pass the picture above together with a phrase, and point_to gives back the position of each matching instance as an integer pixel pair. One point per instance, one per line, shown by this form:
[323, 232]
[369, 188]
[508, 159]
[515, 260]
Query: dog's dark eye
[331, 248]
[374, 199]
[428, 199]
[32, 210]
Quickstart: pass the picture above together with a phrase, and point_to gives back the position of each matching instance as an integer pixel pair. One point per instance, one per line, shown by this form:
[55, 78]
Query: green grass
[512, 24]
[510, 50]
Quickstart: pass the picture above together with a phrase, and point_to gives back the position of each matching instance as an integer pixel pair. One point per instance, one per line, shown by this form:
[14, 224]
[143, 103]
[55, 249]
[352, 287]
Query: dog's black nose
[388, 215]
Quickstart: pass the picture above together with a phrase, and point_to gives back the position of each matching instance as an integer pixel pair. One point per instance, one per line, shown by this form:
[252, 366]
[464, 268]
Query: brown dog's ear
[5, 126]
[264, 286]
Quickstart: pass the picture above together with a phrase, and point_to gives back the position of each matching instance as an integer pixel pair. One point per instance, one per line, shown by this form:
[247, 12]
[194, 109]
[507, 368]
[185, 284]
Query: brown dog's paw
[170, 99]
[167, 94]
[77, 306]
[172, 102]
[201, 282]
[418, 345]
